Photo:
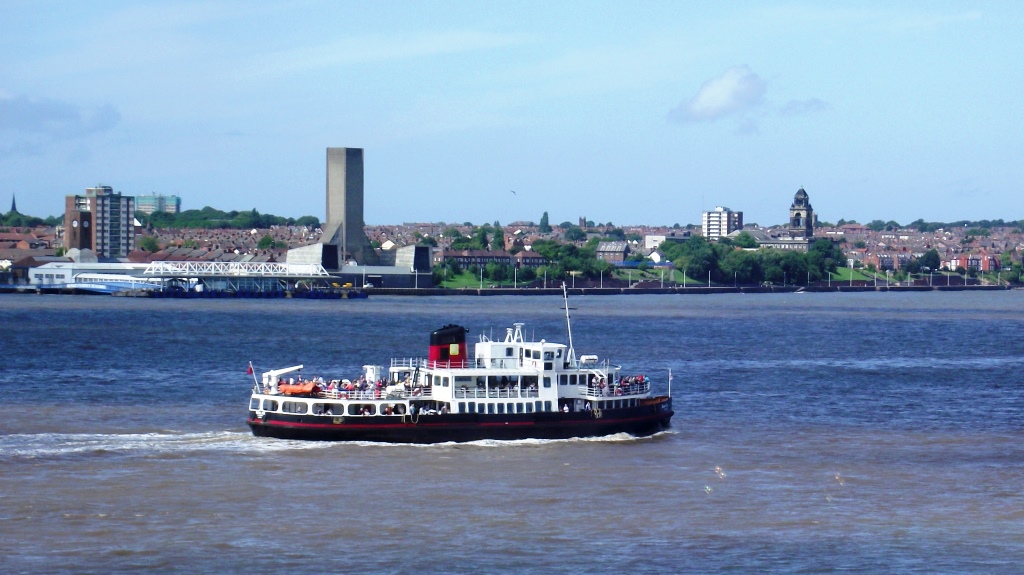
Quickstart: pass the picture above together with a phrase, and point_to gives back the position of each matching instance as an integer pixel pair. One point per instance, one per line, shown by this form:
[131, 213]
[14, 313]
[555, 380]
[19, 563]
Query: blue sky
[623, 112]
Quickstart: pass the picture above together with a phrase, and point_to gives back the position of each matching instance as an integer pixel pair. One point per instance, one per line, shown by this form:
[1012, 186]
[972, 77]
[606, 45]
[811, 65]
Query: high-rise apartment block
[150, 203]
[102, 221]
[720, 222]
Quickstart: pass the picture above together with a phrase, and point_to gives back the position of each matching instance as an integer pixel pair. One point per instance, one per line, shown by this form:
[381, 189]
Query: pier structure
[243, 276]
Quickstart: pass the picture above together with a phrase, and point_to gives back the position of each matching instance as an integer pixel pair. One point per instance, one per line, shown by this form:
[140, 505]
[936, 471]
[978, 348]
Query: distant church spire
[14, 204]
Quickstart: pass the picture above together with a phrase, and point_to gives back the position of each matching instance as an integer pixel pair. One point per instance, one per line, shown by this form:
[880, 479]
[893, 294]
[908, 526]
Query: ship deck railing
[421, 363]
[467, 393]
[614, 390]
[376, 394]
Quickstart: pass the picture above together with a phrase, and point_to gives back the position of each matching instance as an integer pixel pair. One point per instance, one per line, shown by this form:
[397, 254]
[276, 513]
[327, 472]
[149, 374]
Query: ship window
[254, 403]
[501, 408]
[563, 379]
[269, 405]
[444, 382]
[462, 407]
[479, 408]
[490, 408]
[537, 405]
[536, 354]
[547, 406]
[511, 408]
[509, 352]
[361, 409]
[472, 407]
[549, 355]
[437, 380]
[294, 407]
[519, 408]
[529, 408]
[558, 353]
[548, 365]
[547, 381]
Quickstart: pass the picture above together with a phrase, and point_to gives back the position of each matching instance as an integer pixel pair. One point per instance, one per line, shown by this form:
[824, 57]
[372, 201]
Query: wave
[49, 445]
[62, 444]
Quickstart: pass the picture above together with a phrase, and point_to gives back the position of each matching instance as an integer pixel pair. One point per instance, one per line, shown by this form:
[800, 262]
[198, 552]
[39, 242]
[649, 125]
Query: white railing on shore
[234, 269]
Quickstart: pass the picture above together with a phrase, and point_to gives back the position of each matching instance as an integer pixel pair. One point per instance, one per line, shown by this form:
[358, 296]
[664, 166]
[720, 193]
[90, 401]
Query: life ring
[597, 413]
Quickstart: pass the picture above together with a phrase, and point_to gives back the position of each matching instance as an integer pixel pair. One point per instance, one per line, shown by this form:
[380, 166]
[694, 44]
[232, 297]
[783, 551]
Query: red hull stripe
[274, 423]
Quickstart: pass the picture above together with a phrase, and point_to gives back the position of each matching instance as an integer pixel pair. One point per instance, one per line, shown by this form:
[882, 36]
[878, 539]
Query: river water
[814, 433]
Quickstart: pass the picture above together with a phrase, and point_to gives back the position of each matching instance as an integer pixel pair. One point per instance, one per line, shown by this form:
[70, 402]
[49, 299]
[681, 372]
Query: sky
[632, 113]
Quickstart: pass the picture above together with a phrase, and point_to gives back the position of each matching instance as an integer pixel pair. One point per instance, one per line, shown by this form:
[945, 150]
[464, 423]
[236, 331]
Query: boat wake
[37, 446]
[59, 445]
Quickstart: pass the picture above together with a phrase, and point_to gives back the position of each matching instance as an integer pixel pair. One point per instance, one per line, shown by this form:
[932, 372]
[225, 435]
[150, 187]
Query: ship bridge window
[269, 405]
[294, 407]
[509, 352]
[254, 403]
[536, 354]
[549, 355]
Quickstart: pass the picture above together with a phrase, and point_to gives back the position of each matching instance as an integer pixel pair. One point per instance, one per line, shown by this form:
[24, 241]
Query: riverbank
[704, 290]
[679, 290]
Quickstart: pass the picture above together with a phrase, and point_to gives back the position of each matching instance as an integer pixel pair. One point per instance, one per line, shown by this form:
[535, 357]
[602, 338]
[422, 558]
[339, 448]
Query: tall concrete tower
[345, 208]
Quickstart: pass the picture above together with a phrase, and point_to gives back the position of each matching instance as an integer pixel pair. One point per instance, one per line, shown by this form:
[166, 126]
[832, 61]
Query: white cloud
[738, 89]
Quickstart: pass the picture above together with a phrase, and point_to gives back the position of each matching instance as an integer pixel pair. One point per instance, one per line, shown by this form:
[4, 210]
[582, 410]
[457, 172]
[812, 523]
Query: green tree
[149, 244]
[745, 240]
[544, 227]
[575, 234]
[265, 242]
[930, 260]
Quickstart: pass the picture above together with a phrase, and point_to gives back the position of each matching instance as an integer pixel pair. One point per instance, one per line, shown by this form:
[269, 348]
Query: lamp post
[735, 281]
[602, 279]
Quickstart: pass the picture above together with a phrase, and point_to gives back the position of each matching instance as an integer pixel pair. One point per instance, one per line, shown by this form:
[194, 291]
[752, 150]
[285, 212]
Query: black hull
[642, 421]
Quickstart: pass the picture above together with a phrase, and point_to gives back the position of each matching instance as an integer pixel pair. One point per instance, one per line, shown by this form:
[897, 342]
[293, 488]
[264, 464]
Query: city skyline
[648, 114]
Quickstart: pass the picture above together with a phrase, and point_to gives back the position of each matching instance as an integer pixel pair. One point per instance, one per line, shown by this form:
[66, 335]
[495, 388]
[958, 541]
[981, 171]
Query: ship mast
[570, 356]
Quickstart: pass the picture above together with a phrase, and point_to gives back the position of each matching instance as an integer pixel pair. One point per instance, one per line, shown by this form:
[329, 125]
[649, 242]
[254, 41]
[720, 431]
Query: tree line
[212, 218]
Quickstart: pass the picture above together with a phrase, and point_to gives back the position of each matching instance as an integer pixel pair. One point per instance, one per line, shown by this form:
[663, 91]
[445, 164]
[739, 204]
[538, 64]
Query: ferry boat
[509, 389]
